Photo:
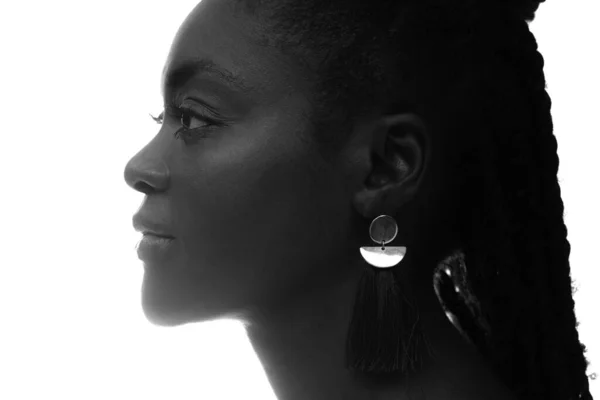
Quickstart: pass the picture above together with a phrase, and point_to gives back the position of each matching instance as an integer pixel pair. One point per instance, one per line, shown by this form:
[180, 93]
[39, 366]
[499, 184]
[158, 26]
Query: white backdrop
[78, 80]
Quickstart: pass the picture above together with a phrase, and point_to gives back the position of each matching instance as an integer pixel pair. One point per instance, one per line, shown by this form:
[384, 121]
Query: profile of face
[257, 215]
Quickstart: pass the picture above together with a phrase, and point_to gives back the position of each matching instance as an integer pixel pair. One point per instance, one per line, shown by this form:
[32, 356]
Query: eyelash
[179, 111]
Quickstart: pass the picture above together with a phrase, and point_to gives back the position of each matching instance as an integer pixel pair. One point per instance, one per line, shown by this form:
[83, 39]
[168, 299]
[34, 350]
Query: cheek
[254, 217]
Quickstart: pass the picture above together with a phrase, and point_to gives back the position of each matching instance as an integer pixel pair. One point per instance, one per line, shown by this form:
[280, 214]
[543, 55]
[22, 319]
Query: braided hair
[472, 69]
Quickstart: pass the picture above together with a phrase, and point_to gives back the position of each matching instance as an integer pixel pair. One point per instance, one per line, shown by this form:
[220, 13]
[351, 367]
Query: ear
[398, 158]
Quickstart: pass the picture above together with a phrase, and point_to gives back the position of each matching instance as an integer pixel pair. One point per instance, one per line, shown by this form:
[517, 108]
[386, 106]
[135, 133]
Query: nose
[147, 174]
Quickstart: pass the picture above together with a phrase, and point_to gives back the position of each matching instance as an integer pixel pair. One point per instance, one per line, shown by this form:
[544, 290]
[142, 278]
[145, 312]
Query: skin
[268, 231]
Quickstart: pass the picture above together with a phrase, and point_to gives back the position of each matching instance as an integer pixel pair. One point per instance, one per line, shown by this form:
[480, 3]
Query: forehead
[232, 40]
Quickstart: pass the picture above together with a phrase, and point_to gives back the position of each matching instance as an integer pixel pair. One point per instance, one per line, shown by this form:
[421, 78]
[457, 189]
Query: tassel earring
[384, 334]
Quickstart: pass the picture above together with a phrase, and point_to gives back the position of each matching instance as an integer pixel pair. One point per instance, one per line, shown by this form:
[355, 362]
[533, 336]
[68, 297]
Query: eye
[189, 118]
[194, 124]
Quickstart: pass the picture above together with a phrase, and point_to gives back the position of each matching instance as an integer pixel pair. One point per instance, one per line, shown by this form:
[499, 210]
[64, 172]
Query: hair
[472, 69]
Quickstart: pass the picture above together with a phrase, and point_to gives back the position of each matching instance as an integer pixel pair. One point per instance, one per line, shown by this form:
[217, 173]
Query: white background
[78, 79]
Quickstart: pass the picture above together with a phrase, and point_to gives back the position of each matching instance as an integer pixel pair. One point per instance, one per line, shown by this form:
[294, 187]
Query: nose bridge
[147, 171]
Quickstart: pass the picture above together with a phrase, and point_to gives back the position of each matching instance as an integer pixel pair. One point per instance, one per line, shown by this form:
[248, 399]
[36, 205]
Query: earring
[454, 292]
[384, 334]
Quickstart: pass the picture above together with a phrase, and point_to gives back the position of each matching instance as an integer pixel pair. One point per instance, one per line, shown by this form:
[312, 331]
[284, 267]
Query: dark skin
[267, 231]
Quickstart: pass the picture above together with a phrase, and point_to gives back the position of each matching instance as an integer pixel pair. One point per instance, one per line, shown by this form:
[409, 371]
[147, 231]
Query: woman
[296, 134]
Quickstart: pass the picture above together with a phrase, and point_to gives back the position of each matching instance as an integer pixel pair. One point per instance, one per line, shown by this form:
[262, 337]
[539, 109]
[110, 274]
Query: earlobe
[399, 155]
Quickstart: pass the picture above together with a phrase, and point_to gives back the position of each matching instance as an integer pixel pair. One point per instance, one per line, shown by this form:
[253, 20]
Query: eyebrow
[186, 70]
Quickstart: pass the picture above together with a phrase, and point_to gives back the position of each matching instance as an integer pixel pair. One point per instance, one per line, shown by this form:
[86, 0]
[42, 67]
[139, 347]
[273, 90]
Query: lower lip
[152, 246]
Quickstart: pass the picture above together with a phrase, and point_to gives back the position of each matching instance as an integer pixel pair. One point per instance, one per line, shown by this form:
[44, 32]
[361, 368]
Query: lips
[154, 250]
[152, 233]
[151, 227]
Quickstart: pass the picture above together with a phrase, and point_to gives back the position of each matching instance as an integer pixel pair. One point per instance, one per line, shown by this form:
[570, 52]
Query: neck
[302, 348]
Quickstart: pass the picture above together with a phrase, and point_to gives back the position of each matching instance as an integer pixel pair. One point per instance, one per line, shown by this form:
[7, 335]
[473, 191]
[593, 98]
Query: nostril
[147, 174]
[143, 187]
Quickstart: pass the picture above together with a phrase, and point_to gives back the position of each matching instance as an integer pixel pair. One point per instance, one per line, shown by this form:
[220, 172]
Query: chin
[158, 318]
[167, 310]
[163, 315]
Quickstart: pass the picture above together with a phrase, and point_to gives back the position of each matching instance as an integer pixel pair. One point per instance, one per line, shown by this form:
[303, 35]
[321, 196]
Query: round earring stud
[383, 229]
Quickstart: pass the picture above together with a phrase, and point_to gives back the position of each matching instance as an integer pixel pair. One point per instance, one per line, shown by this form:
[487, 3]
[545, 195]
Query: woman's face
[256, 214]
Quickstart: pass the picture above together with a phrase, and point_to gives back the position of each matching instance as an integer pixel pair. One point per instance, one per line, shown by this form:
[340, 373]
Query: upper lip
[146, 226]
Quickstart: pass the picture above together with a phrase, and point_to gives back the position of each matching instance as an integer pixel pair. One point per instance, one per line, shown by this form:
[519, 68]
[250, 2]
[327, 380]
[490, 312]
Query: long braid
[566, 366]
[514, 234]
[527, 293]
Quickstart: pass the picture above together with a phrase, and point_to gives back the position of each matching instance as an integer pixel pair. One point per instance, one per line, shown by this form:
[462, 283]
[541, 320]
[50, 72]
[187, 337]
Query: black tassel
[384, 334]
